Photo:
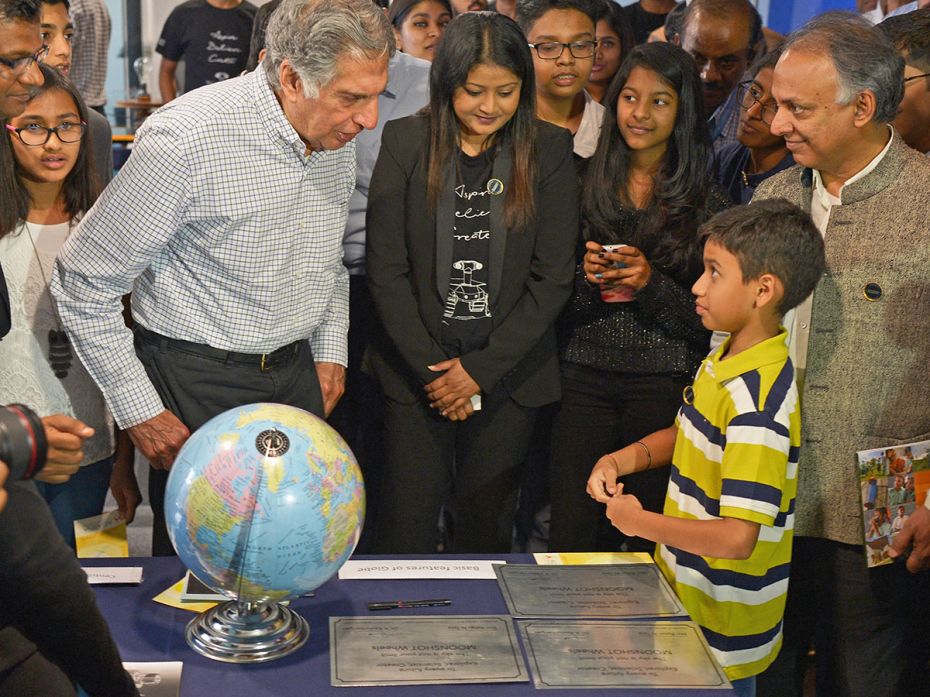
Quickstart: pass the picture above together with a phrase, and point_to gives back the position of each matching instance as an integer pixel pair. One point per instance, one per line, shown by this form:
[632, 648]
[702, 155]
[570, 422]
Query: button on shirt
[225, 230]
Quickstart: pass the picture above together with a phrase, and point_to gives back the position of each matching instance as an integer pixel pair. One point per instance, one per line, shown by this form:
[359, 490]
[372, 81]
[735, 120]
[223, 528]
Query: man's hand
[453, 389]
[332, 377]
[915, 535]
[4, 472]
[159, 439]
[623, 509]
[460, 413]
[123, 484]
[65, 437]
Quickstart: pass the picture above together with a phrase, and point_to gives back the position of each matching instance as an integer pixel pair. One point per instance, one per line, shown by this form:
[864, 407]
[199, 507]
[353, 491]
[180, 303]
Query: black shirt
[644, 23]
[213, 43]
[467, 315]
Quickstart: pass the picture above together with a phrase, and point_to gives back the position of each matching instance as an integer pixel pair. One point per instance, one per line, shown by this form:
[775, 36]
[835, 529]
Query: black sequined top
[657, 332]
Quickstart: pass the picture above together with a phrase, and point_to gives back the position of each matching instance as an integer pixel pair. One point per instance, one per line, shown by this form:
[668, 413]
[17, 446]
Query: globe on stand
[264, 504]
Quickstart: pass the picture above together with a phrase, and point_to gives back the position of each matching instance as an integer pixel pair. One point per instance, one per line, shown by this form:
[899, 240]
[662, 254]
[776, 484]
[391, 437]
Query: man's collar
[860, 186]
[271, 113]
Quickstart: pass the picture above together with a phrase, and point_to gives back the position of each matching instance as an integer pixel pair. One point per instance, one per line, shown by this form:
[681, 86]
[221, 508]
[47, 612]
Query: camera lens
[23, 446]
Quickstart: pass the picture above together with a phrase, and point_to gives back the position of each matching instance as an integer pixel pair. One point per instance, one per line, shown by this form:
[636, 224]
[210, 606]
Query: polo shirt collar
[774, 350]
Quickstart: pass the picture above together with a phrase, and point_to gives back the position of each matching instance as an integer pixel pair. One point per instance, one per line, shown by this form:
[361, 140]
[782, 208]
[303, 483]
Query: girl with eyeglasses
[472, 221]
[758, 154]
[630, 337]
[56, 185]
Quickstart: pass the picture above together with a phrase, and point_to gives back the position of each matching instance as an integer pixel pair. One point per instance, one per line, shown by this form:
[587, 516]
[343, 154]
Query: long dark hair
[80, 188]
[616, 17]
[668, 234]
[488, 38]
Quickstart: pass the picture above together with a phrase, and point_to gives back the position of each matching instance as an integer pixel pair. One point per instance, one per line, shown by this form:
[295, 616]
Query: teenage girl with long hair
[472, 221]
[55, 185]
[630, 338]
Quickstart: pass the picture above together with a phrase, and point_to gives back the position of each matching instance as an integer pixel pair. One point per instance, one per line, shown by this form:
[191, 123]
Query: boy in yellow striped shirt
[725, 534]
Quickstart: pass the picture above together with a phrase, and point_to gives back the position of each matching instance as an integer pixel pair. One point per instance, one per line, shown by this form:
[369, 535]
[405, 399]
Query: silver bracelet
[648, 455]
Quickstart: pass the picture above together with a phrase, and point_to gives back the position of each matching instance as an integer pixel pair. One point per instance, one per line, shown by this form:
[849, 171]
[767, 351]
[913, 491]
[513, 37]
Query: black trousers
[196, 388]
[477, 461]
[870, 628]
[359, 415]
[603, 411]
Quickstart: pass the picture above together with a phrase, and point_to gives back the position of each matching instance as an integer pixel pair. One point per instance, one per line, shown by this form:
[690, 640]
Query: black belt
[262, 361]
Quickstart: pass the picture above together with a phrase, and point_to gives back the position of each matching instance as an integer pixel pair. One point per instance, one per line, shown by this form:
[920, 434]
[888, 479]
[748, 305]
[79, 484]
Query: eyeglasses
[915, 77]
[552, 50]
[34, 135]
[21, 65]
[750, 95]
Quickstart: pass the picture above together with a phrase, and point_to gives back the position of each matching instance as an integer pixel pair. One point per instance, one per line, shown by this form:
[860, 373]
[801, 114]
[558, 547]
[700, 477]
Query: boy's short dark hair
[772, 236]
[529, 11]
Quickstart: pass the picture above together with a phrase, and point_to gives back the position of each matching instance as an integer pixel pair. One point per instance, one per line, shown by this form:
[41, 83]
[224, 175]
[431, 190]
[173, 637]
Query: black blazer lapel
[445, 221]
[500, 171]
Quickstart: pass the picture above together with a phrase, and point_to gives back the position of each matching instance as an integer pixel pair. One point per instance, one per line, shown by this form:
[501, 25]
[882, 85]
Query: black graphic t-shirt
[213, 43]
[467, 314]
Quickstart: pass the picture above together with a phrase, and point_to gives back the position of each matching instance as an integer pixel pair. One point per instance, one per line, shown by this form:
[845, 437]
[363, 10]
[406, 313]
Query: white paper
[418, 568]
[113, 574]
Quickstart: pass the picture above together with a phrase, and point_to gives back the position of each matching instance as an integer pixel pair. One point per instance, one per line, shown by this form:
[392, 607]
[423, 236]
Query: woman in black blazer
[472, 221]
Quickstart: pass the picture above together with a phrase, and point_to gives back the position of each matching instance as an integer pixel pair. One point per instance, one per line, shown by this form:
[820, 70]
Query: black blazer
[409, 255]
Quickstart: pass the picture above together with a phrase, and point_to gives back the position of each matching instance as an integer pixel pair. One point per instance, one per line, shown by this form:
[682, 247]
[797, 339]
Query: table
[149, 631]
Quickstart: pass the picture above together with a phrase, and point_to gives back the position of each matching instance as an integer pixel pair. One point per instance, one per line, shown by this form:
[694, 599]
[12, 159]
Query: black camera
[23, 446]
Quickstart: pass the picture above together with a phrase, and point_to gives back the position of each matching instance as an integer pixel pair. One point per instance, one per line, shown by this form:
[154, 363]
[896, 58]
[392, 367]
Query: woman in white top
[56, 185]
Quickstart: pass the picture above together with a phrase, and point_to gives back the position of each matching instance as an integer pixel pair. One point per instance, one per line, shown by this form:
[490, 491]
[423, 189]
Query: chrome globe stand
[242, 632]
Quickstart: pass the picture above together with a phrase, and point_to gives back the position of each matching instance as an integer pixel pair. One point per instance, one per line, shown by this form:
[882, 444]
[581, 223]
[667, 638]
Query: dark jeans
[81, 496]
[603, 411]
[478, 461]
[869, 627]
[196, 388]
[359, 415]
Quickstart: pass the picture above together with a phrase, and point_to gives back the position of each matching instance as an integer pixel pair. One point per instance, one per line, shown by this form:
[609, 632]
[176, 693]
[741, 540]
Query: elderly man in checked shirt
[226, 225]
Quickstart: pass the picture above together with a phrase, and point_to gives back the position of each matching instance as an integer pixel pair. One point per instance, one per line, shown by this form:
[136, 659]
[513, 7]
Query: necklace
[59, 347]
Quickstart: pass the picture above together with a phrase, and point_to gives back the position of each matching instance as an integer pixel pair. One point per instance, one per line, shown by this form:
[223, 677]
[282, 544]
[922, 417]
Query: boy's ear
[769, 290]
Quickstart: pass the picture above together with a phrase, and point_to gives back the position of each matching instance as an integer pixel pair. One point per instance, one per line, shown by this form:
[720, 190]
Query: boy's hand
[602, 484]
[623, 511]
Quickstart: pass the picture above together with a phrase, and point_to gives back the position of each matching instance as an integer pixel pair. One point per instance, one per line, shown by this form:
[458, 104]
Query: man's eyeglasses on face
[34, 135]
[21, 65]
[914, 77]
[749, 95]
[552, 50]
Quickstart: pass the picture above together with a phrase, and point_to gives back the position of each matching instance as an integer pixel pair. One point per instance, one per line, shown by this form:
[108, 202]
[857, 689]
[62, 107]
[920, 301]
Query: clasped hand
[451, 392]
[599, 266]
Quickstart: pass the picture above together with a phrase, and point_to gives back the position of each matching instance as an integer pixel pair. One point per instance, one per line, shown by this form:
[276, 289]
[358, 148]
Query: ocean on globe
[264, 502]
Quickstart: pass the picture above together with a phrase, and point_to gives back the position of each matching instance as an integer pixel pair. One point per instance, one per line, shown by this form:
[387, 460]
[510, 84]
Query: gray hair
[863, 57]
[312, 35]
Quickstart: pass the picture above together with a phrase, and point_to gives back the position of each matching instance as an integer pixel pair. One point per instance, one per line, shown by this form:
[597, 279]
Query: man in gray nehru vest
[861, 344]
[226, 224]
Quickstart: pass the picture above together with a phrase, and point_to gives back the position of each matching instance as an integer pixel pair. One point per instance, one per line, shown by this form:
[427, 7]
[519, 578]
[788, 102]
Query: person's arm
[167, 79]
[549, 281]
[720, 538]
[118, 239]
[123, 484]
[388, 258]
[654, 450]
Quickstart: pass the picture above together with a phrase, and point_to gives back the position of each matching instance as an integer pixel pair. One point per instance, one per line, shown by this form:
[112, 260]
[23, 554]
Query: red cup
[616, 294]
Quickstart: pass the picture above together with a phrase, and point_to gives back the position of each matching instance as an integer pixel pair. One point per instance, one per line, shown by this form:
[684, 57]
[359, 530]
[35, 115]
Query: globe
[264, 503]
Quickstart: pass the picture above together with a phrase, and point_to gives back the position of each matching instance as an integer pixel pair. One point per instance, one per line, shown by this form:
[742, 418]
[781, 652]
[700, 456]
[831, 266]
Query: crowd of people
[561, 272]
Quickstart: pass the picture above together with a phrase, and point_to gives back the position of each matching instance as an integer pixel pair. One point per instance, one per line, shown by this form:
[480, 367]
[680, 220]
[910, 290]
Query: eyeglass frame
[563, 45]
[744, 89]
[19, 66]
[915, 77]
[48, 133]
